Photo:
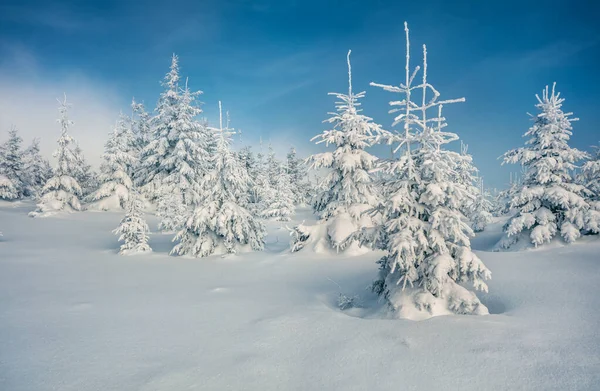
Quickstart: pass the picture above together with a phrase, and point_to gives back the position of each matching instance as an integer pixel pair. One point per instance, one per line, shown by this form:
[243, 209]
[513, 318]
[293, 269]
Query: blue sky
[272, 63]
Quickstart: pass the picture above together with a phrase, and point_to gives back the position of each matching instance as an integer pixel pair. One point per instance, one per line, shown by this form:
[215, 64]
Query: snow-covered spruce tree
[425, 234]
[133, 229]
[347, 191]
[299, 178]
[273, 167]
[37, 169]
[221, 224]
[11, 163]
[466, 174]
[481, 214]
[281, 204]
[172, 211]
[591, 179]
[140, 125]
[261, 191]
[61, 192]
[175, 158]
[591, 175]
[84, 174]
[119, 159]
[549, 200]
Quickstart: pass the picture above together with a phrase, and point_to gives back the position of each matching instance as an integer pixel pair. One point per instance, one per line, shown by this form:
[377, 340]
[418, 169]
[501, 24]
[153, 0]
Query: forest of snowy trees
[420, 208]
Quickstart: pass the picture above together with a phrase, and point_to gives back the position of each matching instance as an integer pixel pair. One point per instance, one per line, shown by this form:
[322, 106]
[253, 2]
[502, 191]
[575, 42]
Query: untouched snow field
[75, 316]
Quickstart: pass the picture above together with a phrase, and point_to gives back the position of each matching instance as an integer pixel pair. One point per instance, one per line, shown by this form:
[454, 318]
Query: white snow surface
[74, 315]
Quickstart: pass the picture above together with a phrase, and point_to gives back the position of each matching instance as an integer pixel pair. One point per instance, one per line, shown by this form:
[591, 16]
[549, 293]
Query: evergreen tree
[425, 234]
[141, 121]
[172, 212]
[281, 204]
[273, 167]
[347, 191]
[481, 214]
[299, 178]
[221, 223]
[549, 201]
[84, 174]
[61, 192]
[133, 229]
[119, 158]
[175, 159]
[261, 192]
[591, 175]
[11, 162]
[37, 168]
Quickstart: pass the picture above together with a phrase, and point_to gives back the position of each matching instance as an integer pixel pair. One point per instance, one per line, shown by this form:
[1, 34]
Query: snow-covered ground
[74, 315]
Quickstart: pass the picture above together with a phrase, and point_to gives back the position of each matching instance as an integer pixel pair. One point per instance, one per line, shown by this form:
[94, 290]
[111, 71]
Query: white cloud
[29, 103]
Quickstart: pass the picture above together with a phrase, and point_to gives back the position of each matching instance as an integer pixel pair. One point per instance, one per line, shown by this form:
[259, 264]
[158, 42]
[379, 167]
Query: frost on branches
[347, 191]
[61, 192]
[133, 229]
[221, 223]
[425, 233]
[175, 158]
[119, 159]
[549, 201]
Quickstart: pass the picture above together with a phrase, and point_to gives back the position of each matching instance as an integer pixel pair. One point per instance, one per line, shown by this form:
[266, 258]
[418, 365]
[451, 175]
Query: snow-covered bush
[221, 224]
[119, 159]
[347, 191]
[133, 229]
[549, 201]
[61, 192]
[425, 234]
[7, 189]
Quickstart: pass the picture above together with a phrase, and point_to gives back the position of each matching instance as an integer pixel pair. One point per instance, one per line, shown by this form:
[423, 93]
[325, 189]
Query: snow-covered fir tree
[347, 191]
[221, 223]
[61, 192]
[466, 174]
[261, 191]
[140, 124]
[425, 234]
[591, 175]
[11, 163]
[481, 214]
[549, 202]
[84, 174]
[118, 162]
[281, 203]
[298, 172]
[133, 229]
[172, 211]
[37, 168]
[175, 158]
[273, 167]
